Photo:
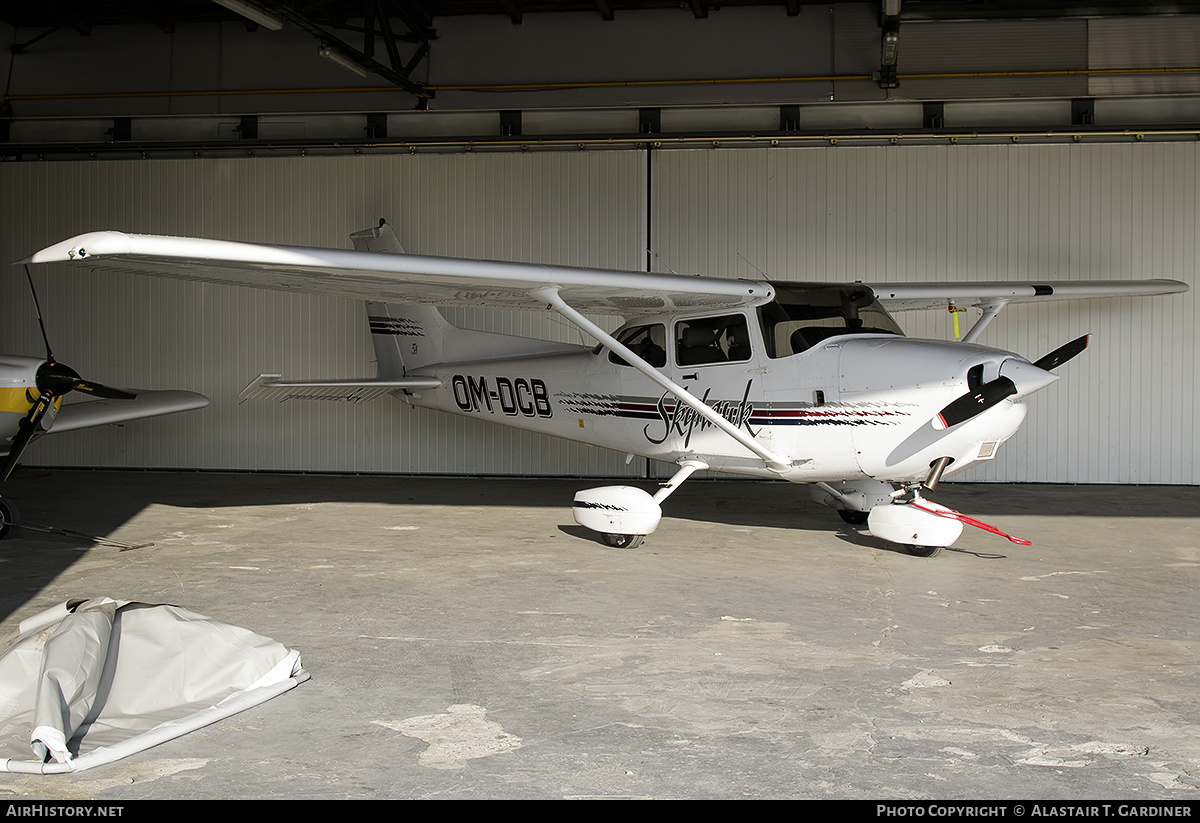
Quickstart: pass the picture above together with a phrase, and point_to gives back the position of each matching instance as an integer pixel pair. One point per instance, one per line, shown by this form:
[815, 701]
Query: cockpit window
[800, 317]
[647, 342]
[712, 340]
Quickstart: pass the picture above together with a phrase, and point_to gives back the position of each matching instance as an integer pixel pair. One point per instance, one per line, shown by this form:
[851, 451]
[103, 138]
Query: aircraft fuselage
[852, 406]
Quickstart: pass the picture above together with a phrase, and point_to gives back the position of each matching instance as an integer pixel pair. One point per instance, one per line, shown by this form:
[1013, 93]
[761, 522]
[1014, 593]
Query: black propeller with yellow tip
[53, 381]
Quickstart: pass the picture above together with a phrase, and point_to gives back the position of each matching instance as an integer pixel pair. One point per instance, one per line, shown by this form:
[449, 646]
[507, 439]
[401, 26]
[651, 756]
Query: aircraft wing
[74, 416]
[400, 278]
[908, 296]
[448, 281]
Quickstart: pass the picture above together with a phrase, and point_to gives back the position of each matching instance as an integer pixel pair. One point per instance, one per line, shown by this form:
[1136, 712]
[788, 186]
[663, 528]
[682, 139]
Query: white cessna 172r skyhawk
[811, 383]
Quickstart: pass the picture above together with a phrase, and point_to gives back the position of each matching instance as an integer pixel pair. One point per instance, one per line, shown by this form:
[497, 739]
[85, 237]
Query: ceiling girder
[17, 48]
[69, 17]
[950, 10]
[377, 14]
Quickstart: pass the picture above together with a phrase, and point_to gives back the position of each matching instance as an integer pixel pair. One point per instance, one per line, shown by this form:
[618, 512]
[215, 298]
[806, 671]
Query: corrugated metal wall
[569, 208]
[1124, 412]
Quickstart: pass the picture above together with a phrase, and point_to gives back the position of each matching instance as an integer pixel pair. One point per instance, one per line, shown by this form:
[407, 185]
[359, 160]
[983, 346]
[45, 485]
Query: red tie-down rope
[971, 521]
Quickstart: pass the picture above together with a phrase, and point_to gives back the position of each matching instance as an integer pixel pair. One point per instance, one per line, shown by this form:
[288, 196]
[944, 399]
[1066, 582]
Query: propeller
[53, 380]
[973, 403]
[1016, 377]
[1063, 353]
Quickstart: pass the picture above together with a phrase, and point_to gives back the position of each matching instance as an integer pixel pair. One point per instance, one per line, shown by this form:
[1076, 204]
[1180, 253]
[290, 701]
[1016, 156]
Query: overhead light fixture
[345, 62]
[890, 48]
[252, 13]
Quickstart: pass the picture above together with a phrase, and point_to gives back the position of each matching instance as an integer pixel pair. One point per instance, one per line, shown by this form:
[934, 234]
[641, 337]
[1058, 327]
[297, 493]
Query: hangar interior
[906, 140]
[464, 639]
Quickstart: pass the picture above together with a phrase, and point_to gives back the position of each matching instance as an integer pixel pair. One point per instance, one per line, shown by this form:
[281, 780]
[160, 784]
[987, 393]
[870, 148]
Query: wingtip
[80, 247]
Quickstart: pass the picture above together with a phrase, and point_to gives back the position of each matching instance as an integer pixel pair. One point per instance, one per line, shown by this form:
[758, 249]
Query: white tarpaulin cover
[89, 682]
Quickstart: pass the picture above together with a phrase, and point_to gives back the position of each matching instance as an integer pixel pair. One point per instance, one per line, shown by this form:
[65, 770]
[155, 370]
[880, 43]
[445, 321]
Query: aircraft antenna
[765, 276]
[657, 258]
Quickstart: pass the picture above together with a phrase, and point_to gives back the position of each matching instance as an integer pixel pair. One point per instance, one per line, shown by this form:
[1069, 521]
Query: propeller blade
[1063, 353]
[38, 310]
[55, 378]
[104, 391]
[53, 381]
[1017, 377]
[973, 403]
[25, 432]
[58, 379]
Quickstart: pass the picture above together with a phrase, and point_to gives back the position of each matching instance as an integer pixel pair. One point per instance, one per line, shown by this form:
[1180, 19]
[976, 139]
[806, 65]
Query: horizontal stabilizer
[271, 387]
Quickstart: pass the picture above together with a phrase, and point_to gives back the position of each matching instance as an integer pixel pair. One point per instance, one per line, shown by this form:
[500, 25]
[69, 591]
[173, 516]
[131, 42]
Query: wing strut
[775, 462]
[990, 312]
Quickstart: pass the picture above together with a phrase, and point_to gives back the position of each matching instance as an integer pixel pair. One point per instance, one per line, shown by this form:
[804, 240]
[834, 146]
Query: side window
[802, 317]
[647, 342]
[712, 340]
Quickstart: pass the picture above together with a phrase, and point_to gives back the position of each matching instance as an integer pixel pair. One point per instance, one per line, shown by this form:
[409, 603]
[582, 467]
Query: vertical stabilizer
[377, 239]
[405, 337]
[408, 338]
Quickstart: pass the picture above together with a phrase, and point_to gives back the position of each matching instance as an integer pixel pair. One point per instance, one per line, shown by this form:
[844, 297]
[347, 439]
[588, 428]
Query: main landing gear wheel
[624, 541]
[9, 517]
[852, 517]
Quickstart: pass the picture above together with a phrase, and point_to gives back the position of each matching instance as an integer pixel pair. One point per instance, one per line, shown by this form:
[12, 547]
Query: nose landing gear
[901, 515]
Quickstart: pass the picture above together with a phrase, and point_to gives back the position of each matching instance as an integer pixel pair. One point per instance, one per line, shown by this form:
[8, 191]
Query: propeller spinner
[1016, 378]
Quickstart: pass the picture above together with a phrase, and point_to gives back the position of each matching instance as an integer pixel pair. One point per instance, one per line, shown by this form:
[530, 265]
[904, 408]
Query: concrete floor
[467, 640]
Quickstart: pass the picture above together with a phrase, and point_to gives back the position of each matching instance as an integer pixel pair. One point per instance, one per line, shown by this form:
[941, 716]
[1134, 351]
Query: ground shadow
[76, 504]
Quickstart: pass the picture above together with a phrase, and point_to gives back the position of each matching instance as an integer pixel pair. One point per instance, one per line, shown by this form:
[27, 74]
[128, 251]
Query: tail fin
[405, 337]
[381, 238]
[408, 338]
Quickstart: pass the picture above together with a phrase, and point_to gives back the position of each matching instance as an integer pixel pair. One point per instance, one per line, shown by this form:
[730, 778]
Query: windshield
[802, 316]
